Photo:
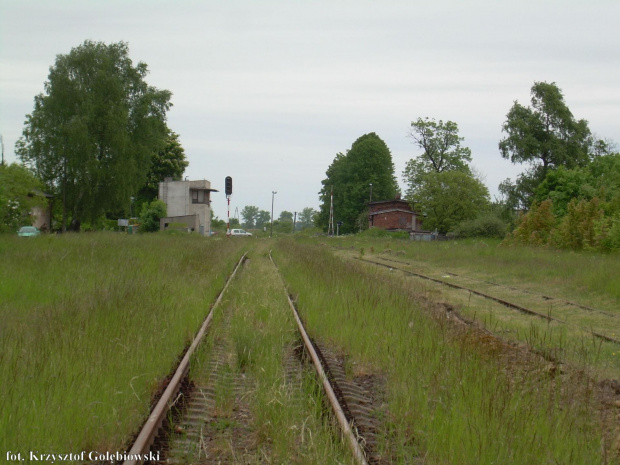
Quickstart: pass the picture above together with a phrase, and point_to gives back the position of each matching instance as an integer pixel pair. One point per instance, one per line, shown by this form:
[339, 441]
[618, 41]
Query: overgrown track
[330, 387]
[195, 433]
[505, 302]
[151, 428]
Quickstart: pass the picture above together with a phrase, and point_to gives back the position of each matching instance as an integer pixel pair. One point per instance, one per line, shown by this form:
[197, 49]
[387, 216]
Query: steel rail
[546, 297]
[498, 300]
[354, 445]
[152, 425]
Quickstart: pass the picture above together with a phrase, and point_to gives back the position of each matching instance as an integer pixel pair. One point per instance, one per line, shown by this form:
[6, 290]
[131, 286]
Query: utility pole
[294, 222]
[2, 143]
[330, 226]
[273, 194]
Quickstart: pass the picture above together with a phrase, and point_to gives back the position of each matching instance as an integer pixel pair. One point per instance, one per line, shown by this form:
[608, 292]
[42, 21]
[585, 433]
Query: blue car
[28, 231]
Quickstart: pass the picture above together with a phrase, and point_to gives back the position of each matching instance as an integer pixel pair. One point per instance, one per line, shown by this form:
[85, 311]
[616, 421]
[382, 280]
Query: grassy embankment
[91, 324]
[287, 421]
[452, 397]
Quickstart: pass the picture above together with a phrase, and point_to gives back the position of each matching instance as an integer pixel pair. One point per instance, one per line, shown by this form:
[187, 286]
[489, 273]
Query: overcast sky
[268, 91]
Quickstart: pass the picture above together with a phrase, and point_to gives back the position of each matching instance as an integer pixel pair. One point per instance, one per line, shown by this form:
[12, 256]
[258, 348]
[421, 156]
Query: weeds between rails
[220, 422]
[254, 410]
[454, 395]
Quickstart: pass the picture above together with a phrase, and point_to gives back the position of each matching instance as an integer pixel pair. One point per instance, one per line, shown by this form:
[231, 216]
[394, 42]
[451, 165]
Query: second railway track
[598, 333]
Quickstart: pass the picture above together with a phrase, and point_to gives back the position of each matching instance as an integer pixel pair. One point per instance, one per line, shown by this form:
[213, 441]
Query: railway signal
[228, 190]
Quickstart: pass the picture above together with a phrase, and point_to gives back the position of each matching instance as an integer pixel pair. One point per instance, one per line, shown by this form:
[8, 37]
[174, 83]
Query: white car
[239, 232]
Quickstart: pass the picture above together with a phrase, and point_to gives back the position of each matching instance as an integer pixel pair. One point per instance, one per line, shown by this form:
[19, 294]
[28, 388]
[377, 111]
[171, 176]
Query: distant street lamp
[371, 192]
[273, 193]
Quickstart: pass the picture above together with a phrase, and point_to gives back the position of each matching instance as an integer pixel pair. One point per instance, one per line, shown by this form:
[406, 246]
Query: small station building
[394, 215]
[188, 203]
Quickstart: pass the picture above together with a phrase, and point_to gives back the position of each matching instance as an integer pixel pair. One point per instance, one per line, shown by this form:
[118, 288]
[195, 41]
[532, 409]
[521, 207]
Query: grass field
[81, 315]
[523, 274]
[455, 396]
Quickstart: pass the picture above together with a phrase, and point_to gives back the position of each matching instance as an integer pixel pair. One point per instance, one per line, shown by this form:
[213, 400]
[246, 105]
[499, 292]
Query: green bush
[583, 227]
[487, 225]
[534, 227]
[150, 215]
[609, 232]
[577, 229]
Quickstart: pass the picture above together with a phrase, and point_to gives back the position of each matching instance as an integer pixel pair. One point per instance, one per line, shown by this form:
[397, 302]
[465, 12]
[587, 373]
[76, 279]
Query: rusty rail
[152, 425]
[354, 445]
[498, 300]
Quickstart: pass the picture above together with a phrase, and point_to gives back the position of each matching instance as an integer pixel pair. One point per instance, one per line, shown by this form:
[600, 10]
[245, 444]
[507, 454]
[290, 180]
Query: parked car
[28, 231]
[239, 232]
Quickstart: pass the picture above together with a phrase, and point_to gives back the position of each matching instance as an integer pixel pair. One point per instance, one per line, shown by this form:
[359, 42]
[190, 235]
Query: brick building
[395, 214]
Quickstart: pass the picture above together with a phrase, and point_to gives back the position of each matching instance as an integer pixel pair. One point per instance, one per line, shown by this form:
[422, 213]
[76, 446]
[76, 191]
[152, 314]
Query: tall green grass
[587, 277]
[90, 326]
[453, 397]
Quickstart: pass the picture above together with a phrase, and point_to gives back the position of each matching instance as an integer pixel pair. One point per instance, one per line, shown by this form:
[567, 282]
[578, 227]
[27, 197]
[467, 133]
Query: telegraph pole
[330, 226]
[273, 194]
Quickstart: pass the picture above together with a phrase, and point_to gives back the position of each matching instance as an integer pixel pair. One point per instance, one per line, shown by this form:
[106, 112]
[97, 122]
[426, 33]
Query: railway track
[208, 419]
[509, 304]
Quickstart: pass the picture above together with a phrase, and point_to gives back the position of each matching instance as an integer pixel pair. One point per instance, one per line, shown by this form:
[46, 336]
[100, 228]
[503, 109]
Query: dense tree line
[97, 139]
[254, 218]
[570, 173]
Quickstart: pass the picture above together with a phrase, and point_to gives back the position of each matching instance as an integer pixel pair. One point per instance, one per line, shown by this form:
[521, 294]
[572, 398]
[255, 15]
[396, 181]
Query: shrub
[608, 233]
[577, 229]
[150, 215]
[535, 226]
[487, 225]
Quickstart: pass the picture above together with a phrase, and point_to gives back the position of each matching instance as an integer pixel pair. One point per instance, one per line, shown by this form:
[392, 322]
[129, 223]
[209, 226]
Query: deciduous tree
[448, 198]
[369, 161]
[286, 216]
[92, 135]
[263, 218]
[249, 213]
[306, 217]
[442, 152]
[168, 162]
[545, 136]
